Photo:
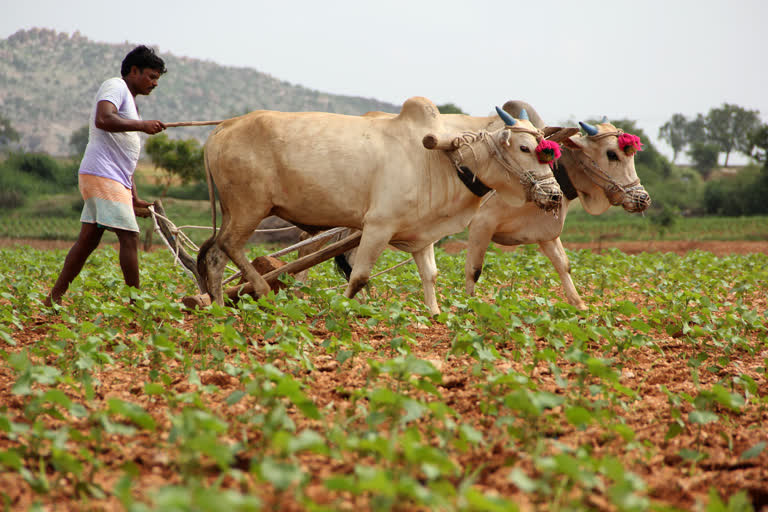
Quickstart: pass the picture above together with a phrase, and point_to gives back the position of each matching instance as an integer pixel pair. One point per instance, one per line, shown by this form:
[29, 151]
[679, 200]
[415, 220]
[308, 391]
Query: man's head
[141, 69]
[142, 57]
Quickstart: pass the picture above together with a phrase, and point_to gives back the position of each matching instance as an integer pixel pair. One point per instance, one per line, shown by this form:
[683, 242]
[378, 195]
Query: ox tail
[342, 266]
[202, 268]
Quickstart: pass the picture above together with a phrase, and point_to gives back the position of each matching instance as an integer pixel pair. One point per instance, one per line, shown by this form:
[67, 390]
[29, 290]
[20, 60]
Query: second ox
[319, 170]
[597, 168]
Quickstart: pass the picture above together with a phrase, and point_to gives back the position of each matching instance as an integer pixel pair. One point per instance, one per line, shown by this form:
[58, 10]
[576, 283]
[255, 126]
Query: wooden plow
[270, 267]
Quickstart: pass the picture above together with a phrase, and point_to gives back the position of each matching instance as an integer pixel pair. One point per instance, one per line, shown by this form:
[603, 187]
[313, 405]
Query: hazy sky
[571, 59]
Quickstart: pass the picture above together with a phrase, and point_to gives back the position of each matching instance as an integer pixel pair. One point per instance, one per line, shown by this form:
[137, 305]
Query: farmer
[106, 171]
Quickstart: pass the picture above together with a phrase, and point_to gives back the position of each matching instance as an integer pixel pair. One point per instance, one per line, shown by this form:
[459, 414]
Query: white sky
[571, 59]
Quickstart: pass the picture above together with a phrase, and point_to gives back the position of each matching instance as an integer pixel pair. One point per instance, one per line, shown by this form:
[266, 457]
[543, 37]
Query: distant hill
[48, 79]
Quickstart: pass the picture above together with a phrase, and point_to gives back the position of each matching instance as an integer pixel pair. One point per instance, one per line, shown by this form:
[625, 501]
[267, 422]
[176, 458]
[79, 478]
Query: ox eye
[612, 156]
[525, 149]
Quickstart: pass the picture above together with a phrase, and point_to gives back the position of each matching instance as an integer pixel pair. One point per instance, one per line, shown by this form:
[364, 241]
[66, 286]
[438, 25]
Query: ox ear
[574, 142]
[558, 134]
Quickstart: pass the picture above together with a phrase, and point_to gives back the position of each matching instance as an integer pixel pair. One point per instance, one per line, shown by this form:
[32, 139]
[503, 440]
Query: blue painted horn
[604, 120]
[508, 119]
[591, 130]
[524, 115]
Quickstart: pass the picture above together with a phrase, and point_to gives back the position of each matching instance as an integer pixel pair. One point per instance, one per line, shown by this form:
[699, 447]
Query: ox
[318, 170]
[593, 168]
[598, 168]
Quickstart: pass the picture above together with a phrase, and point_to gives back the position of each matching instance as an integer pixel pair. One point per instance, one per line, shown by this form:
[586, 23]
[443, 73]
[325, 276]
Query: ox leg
[477, 244]
[556, 254]
[232, 241]
[372, 243]
[214, 262]
[425, 262]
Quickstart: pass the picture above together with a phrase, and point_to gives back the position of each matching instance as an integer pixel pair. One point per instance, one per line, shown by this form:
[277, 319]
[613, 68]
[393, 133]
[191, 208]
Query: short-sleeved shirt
[113, 155]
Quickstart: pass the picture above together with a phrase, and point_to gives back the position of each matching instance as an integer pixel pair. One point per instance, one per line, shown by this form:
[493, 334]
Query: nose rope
[532, 181]
[602, 179]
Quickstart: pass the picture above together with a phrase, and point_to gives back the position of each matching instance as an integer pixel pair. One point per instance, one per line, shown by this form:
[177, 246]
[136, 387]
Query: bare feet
[49, 301]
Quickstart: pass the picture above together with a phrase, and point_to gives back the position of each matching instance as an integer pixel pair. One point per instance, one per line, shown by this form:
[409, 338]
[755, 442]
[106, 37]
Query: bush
[45, 169]
[743, 194]
[36, 164]
[704, 156]
[682, 190]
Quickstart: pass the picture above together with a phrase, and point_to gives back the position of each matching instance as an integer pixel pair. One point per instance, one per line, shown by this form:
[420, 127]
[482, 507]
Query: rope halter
[539, 186]
[632, 195]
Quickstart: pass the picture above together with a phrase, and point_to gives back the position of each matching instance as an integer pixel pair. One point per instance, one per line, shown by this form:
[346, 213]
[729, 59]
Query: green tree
[79, 140]
[675, 133]
[758, 140]
[696, 130]
[728, 127]
[449, 108]
[182, 159]
[704, 156]
[8, 135]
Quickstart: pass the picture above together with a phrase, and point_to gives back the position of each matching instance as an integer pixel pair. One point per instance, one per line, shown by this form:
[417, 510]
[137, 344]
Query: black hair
[142, 57]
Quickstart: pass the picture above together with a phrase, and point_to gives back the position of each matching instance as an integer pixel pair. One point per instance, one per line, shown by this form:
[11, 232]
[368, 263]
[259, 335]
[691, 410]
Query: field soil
[670, 479]
[716, 247]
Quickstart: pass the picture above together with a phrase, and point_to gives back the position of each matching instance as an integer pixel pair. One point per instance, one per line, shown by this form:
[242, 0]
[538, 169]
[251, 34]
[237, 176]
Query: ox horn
[508, 119]
[591, 130]
[605, 119]
[524, 115]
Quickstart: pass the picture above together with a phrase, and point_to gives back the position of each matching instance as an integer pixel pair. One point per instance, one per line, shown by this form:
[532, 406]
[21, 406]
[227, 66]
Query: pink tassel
[547, 151]
[630, 144]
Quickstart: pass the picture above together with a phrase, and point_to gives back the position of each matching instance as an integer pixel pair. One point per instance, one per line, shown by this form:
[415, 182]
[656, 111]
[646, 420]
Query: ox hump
[419, 110]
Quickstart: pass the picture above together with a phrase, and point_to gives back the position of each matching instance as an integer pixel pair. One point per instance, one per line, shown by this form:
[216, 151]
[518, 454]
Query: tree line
[674, 189]
[723, 129]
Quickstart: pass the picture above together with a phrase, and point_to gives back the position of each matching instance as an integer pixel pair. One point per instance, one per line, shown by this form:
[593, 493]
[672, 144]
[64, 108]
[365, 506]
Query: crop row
[309, 400]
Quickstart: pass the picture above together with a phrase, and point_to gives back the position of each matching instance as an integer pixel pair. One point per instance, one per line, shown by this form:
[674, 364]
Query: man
[106, 171]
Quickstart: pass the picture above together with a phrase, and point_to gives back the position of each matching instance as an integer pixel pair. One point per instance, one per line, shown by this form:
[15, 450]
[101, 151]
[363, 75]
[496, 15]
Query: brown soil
[670, 480]
[719, 248]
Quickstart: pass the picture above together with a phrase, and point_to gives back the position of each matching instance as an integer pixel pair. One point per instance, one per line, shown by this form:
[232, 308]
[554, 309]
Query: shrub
[743, 194]
[36, 164]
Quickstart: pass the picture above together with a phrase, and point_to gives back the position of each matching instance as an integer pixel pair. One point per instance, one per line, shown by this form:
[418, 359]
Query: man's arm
[107, 119]
[139, 205]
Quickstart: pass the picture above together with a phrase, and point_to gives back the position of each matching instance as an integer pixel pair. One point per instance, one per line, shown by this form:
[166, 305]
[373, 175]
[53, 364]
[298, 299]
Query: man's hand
[152, 127]
[141, 207]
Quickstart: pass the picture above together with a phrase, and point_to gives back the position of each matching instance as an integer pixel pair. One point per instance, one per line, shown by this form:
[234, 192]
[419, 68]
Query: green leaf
[133, 412]
[754, 451]
[235, 397]
[673, 430]
[702, 417]
[578, 416]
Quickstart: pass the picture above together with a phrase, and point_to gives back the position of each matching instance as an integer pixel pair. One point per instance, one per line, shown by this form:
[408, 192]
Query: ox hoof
[196, 301]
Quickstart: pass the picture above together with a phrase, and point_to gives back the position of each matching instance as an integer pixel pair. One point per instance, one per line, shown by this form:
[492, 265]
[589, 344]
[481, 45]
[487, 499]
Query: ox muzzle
[542, 189]
[634, 199]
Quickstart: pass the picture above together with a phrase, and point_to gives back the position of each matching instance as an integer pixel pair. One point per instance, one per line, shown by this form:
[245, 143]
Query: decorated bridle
[546, 151]
[629, 144]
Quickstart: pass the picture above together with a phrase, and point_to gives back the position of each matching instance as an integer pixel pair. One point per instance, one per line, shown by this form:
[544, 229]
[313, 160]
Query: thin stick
[193, 123]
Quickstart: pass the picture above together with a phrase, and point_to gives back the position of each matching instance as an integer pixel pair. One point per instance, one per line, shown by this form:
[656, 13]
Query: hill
[48, 79]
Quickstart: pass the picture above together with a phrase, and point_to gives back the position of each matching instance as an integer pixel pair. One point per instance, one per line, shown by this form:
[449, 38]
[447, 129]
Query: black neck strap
[566, 185]
[472, 182]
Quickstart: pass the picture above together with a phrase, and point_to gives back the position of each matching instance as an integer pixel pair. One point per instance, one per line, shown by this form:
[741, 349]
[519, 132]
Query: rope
[320, 236]
[407, 260]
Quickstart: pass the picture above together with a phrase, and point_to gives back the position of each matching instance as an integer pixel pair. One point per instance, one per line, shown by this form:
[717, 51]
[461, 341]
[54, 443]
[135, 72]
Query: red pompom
[547, 151]
[630, 144]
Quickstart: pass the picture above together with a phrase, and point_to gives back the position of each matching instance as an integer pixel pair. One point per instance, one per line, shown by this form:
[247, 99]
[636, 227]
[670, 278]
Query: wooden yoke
[557, 134]
[444, 142]
[293, 267]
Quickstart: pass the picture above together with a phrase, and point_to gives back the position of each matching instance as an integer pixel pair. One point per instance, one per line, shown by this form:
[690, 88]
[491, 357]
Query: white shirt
[113, 154]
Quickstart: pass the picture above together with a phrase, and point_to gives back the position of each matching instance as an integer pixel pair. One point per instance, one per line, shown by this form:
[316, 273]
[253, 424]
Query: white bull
[593, 168]
[321, 170]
